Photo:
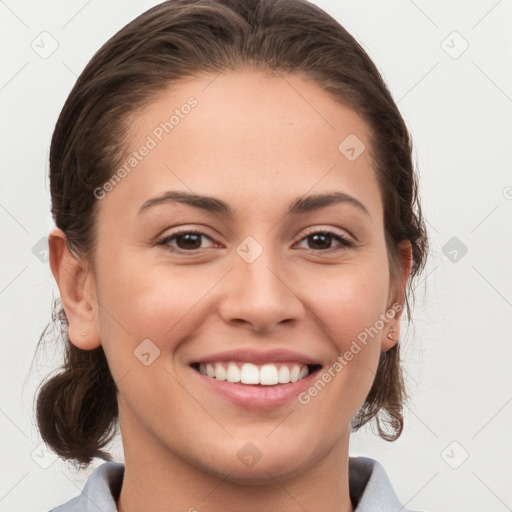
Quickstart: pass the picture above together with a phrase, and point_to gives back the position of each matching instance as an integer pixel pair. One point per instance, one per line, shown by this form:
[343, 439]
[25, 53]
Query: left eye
[188, 241]
[325, 238]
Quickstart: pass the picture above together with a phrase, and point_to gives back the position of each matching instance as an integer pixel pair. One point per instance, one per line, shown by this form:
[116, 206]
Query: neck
[159, 480]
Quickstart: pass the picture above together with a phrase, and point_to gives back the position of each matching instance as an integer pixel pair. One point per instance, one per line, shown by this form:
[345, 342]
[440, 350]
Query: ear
[77, 291]
[396, 307]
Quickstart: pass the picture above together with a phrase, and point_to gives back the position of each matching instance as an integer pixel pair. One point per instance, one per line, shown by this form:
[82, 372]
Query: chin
[265, 471]
[262, 461]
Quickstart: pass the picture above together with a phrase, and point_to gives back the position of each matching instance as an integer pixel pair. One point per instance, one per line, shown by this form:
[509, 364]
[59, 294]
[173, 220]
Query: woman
[237, 227]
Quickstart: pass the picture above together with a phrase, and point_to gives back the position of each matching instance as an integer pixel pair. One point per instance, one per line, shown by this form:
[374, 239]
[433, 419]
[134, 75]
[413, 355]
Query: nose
[260, 295]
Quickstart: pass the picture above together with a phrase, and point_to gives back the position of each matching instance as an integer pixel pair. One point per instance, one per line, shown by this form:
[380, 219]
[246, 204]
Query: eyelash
[345, 242]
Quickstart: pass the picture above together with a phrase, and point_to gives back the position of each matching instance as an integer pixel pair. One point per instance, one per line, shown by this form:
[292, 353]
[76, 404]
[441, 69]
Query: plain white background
[455, 452]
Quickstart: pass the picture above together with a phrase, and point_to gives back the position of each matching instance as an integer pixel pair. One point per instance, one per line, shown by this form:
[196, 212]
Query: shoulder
[100, 491]
[370, 487]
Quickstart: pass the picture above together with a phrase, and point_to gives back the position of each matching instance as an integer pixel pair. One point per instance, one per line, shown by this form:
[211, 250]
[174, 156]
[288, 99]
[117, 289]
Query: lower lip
[260, 397]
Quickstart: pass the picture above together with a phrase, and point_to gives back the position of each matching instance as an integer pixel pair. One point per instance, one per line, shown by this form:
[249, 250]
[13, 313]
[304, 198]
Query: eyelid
[345, 241]
[330, 230]
[163, 240]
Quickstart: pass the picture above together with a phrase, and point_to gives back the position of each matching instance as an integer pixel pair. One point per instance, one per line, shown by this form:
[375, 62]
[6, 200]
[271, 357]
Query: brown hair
[77, 408]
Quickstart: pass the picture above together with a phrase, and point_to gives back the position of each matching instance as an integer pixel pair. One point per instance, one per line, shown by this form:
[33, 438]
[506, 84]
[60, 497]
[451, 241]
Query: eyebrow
[300, 205]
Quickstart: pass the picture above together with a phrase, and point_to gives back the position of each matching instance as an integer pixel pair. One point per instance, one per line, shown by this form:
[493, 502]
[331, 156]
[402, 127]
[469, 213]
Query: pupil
[191, 241]
[325, 236]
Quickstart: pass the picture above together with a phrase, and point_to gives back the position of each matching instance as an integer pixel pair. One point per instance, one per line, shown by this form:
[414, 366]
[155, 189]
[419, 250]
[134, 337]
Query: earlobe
[391, 332]
[76, 287]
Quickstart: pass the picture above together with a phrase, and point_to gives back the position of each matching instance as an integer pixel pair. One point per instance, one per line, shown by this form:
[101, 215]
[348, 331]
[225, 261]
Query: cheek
[349, 303]
[141, 300]
[348, 300]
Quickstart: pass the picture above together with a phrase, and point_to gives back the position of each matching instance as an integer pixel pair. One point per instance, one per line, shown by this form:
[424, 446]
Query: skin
[257, 142]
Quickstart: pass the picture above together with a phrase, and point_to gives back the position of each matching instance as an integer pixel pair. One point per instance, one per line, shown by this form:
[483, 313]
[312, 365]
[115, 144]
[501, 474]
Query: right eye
[186, 241]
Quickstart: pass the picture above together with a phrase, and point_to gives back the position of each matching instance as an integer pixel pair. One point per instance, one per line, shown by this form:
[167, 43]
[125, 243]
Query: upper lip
[258, 357]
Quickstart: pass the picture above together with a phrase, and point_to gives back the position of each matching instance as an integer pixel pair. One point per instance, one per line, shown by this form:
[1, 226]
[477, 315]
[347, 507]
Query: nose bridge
[258, 268]
[259, 291]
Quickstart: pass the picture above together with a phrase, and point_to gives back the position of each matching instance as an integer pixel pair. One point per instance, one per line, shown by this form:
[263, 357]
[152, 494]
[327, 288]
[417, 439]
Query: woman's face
[261, 293]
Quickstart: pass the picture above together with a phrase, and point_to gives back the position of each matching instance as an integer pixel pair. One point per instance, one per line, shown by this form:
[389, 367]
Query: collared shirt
[370, 489]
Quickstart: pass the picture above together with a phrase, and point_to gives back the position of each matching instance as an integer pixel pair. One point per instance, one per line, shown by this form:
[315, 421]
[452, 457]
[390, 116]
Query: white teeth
[210, 371]
[233, 373]
[284, 375]
[268, 375]
[220, 373]
[249, 373]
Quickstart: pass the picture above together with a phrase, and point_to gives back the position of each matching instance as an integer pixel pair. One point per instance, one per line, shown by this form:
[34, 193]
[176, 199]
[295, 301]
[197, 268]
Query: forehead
[246, 135]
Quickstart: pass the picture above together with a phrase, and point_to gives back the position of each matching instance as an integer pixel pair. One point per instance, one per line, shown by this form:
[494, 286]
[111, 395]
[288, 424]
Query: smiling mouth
[252, 374]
